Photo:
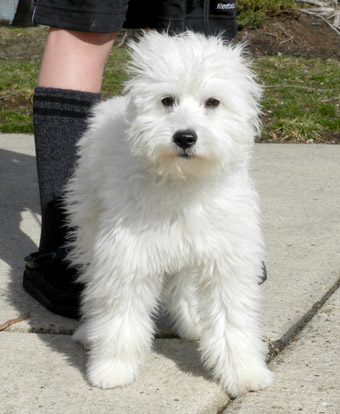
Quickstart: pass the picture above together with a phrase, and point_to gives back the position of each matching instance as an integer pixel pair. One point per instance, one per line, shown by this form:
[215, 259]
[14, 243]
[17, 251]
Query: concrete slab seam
[276, 347]
[279, 345]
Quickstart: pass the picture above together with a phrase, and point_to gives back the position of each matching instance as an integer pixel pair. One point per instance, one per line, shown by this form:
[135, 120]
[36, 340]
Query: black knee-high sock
[60, 118]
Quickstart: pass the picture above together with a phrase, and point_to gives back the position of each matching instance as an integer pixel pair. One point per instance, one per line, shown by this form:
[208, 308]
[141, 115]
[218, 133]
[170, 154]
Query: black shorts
[99, 16]
[108, 16]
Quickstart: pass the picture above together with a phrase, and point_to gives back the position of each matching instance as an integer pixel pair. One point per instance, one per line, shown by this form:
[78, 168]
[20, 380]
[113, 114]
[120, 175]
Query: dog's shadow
[185, 354]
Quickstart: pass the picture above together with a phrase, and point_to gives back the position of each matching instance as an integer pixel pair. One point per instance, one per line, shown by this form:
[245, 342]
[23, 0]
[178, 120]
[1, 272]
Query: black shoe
[263, 277]
[50, 280]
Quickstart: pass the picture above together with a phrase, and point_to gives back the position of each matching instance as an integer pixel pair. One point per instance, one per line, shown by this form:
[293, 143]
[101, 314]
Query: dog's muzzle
[185, 139]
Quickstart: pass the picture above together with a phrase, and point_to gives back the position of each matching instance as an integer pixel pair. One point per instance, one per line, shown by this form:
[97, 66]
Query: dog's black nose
[185, 138]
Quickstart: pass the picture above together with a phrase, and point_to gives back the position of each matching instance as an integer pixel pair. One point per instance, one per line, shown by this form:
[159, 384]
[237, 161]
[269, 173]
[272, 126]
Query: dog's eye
[212, 103]
[168, 101]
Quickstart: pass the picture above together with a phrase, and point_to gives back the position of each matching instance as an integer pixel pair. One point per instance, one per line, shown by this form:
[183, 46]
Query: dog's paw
[110, 374]
[256, 380]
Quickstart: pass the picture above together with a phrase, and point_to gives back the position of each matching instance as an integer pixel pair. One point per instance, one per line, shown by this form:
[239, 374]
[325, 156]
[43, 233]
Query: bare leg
[75, 60]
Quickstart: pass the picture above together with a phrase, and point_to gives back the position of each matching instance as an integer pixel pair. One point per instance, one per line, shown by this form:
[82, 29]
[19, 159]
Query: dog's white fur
[152, 226]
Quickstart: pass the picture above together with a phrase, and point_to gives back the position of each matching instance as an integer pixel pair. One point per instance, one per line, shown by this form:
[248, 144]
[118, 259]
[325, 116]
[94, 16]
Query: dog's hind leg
[231, 343]
[181, 303]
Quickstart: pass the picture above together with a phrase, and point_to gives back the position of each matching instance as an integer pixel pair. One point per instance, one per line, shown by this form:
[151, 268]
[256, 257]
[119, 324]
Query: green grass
[114, 75]
[16, 85]
[301, 96]
[254, 13]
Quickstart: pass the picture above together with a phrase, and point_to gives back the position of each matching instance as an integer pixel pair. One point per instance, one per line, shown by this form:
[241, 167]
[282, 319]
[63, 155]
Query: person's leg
[69, 84]
[75, 60]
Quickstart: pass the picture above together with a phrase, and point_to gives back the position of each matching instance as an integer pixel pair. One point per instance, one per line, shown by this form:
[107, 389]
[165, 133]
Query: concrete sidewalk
[42, 370]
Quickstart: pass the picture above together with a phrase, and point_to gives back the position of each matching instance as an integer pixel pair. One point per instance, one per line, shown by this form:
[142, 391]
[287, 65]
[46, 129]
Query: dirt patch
[295, 34]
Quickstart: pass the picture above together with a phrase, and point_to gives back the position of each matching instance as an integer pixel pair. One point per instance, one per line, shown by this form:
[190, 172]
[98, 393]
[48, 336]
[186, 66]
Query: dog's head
[193, 104]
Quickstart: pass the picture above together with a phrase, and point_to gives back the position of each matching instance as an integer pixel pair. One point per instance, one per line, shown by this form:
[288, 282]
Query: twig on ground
[322, 18]
[9, 96]
[325, 10]
[287, 40]
[314, 3]
[123, 40]
[13, 321]
[304, 88]
[269, 34]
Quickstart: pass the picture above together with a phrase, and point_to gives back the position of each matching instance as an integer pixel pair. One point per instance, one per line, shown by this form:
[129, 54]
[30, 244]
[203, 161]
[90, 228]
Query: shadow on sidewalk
[19, 210]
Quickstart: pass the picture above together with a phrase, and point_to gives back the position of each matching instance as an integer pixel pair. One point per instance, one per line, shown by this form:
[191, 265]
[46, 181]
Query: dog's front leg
[118, 326]
[231, 344]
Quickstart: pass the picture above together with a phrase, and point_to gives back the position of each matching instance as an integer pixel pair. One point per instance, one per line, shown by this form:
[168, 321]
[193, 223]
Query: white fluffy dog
[164, 213]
